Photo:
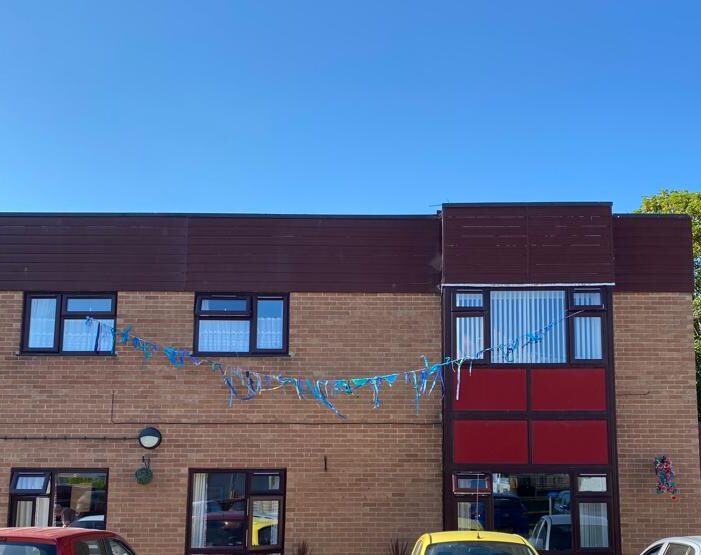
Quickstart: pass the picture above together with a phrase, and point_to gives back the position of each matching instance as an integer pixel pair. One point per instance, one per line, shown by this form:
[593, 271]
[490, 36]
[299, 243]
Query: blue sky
[345, 107]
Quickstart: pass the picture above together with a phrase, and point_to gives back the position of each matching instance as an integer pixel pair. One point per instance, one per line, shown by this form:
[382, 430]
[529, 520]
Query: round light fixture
[149, 438]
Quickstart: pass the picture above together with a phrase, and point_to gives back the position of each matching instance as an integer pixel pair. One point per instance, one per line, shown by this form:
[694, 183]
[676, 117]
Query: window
[236, 510]
[516, 313]
[593, 525]
[533, 326]
[48, 498]
[466, 482]
[241, 324]
[118, 548]
[87, 547]
[591, 483]
[679, 549]
[69, 324]
[25, 548]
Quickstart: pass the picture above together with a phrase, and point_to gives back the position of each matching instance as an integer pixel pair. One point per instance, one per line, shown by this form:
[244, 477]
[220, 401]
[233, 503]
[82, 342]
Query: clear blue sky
[345, 107]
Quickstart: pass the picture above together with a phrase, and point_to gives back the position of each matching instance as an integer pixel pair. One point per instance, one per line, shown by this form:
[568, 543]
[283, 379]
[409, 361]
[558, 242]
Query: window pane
[471, 482]
[23, 513]
[468, 299]
[82, 335]
[34, 482]
[679, 549]
[265, 522]
[587, 298]
[224, 305]
[42, 323]
[469, 337]
[593, 525]
[471, 515]
[218, 509]
[516, 313]
[89, 547]
[42, 511]
[224, 336]
[118, 548]
[84, 494]
[26, 548]
[591, 483]
[80, 304]
[270, 324]
[265, 482]
[525, 502]
[587, 338]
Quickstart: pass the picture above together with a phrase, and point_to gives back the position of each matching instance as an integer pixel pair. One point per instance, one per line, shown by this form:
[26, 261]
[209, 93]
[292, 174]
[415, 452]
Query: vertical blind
[82, 335]
[587, 337]
[515, 313]
[593, 525]
[42, 324]
[469, 333]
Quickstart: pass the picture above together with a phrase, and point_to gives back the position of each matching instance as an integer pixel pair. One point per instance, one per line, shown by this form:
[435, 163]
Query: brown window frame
[62, 314]
[484, 311]
[51, 472]
[250, 314]
[250, 494]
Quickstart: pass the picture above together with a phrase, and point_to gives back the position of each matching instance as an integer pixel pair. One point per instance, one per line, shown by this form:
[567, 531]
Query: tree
[685, 202]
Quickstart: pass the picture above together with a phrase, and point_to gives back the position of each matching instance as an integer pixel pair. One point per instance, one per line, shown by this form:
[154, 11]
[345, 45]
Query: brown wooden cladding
[534, 243]
[219, 253]
[653, 253]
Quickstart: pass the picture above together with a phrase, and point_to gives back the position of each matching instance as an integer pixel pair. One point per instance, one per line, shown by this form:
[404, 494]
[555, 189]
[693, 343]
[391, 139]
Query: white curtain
[224, 336]
[587, 337]
[23, 513]
[270, 333]
[469, 334]
[593, 525]
[42, 323]
[81, 335]
[516, 313]
[42, 512]
[199, 510]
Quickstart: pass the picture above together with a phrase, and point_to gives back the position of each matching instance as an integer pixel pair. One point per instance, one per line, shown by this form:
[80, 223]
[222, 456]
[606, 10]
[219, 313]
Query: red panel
[568, 389]
[490, 441]
[570, 442]
[491, 389]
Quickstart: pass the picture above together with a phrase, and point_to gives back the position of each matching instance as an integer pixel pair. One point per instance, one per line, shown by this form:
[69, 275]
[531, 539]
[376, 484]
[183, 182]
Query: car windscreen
[478, 548]
[26, 548]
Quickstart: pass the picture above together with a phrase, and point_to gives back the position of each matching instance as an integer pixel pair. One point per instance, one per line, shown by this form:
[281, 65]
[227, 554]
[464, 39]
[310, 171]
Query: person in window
[58, 509]
[67, 516]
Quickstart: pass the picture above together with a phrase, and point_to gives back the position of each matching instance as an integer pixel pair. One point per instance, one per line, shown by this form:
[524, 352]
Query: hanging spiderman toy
[665, 476]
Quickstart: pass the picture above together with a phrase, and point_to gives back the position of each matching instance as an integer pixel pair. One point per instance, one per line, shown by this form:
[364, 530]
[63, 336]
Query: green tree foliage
[685, 202]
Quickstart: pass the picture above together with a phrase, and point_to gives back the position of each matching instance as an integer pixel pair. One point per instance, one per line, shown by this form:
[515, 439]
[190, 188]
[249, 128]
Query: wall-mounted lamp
[149, 438]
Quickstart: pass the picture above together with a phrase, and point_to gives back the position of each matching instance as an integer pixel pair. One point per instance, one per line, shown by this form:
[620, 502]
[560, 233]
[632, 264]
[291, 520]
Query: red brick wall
[384, 466]
[656, 414]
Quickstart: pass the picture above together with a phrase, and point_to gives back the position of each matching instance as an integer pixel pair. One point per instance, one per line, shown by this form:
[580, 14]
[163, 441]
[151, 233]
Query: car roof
[691, 539]
[444, 537]
[50, 534]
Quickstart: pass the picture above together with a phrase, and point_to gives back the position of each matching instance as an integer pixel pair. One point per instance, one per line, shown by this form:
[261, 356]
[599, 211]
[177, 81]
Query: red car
[61, 541]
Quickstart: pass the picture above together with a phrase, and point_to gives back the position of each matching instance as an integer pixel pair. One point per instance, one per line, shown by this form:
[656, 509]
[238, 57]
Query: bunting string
[244, 384]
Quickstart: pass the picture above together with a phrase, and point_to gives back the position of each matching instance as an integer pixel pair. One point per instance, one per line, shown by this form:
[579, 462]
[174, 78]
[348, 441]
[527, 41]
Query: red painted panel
[491, 389]
[490, 441]
[570, 442]
[568, 389]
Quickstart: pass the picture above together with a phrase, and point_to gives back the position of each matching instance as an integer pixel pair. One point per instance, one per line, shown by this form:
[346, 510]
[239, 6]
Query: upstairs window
[241, 324]
[69, 323]
[533, 326]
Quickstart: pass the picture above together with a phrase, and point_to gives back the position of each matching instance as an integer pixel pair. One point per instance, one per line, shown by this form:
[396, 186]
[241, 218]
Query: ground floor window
[236, 511]
[41, 497]
[555, 511]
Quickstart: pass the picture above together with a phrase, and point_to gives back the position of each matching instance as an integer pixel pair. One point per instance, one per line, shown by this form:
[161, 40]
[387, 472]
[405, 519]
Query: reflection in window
[224, 515]
[471, 515]
[591, 482]
[535, 506]
[593, 525]
[85, 493]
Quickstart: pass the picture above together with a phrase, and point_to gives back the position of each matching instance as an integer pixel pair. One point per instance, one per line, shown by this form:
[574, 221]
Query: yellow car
[472, 543]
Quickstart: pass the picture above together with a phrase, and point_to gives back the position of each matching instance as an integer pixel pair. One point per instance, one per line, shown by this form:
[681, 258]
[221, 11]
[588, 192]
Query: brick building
[553, 438]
